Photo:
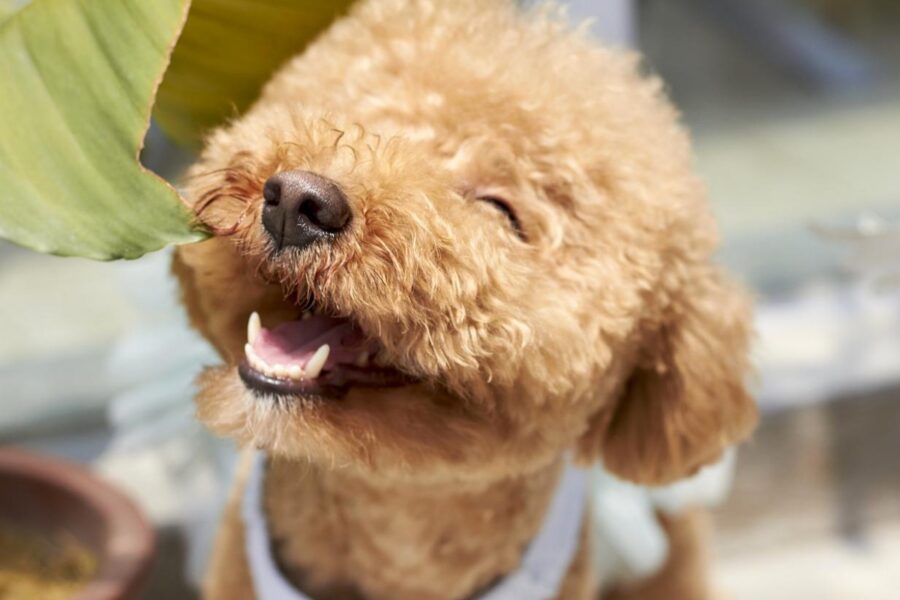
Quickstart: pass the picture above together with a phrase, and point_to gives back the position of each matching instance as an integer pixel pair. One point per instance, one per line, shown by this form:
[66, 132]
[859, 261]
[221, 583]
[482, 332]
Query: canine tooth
[362, 360]
[295, 372]
[254, 326]
[315, 364]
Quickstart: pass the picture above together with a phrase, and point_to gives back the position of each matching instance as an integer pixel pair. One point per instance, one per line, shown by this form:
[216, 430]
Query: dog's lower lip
[332, 384]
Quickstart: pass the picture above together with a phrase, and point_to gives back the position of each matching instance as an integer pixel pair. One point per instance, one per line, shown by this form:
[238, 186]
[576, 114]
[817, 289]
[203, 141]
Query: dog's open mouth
[316, 355]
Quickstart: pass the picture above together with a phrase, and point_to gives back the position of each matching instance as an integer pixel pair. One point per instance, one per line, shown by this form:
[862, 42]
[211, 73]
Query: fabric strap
[544, 565]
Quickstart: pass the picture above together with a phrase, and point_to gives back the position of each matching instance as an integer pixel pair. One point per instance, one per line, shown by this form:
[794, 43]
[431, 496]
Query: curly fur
[602, 327]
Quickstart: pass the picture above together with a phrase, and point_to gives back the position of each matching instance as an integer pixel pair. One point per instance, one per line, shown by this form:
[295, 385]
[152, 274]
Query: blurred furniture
[793, 37]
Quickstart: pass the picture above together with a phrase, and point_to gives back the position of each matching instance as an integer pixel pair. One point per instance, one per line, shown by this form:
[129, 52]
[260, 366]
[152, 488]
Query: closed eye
[504, 207]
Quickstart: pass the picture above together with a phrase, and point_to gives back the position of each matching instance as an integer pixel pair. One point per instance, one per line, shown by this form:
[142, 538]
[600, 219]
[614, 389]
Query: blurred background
[795, 110]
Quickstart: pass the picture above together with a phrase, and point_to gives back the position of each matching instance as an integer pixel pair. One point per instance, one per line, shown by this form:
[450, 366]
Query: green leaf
[80, 78]
[228, 50]
[7, 7]
[78, 83]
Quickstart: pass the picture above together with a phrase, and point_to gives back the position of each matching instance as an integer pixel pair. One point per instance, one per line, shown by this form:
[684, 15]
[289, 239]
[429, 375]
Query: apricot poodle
[459, 247]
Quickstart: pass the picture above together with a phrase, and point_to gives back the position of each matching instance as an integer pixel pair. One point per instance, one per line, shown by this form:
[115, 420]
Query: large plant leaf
[229, 48]
[7, 7]
[78, 81]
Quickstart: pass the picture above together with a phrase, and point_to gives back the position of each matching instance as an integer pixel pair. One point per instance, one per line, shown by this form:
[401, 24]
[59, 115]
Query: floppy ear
[685, 401]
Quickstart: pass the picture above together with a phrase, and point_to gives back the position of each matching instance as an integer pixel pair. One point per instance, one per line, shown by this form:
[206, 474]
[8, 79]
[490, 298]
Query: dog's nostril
[324, 211]
[301, 208]
[310, 208]
[272, 191]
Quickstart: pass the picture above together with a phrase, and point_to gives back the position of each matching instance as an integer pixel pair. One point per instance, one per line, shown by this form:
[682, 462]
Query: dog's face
[462, 265]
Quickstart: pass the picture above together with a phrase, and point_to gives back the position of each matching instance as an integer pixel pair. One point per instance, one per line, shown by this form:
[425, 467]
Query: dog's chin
[314, 420]
[408, 432]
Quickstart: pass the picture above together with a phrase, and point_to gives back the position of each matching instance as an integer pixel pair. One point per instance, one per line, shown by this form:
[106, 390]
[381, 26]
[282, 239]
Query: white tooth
[256, 362]
[295, 372]
[362, 360]
[254, 326]
[253, 359]
[315, 364]
[280, 371]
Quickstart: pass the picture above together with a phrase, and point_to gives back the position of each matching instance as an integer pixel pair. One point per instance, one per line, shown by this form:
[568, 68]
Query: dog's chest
[336, 537]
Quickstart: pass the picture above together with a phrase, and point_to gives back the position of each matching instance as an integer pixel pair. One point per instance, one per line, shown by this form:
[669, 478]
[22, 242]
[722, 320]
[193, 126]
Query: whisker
[206, 201]
[236, 225]
[197, 175]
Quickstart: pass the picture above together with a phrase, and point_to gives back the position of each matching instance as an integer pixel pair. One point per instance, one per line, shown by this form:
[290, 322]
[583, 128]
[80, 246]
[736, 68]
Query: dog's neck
[342, 536]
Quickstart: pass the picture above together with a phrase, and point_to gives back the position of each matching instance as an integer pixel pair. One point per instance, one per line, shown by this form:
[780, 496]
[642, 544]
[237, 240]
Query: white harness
[545, 563]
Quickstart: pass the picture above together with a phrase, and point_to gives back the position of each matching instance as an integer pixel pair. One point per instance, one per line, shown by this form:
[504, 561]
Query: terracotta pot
[50, 495]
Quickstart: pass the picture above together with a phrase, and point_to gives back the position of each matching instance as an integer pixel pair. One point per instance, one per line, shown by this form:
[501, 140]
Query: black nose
[302, 208]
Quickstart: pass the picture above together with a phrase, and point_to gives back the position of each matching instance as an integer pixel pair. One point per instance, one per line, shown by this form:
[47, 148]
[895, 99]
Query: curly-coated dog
[459, 246]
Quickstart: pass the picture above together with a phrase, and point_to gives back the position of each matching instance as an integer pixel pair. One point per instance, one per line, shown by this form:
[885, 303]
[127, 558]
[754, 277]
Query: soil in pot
[35, 566]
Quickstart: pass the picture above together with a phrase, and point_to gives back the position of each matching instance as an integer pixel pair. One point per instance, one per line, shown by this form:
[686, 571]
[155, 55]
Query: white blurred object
[176, 470]
[826, 342]
[874, 245]
[832, 339]
[629, 542]
[612, 21]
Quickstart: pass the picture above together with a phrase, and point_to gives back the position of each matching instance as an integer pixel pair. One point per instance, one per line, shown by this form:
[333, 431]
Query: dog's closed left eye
[503, 206]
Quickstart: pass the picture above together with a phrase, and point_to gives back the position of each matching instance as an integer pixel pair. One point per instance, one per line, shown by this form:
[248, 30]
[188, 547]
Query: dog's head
[473, 240]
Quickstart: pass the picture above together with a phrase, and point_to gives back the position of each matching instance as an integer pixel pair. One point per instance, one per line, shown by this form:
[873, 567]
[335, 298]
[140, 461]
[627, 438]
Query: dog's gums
[315, 354]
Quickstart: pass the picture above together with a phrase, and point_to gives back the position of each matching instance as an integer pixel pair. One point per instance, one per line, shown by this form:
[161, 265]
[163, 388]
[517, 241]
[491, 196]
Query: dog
[460, 249]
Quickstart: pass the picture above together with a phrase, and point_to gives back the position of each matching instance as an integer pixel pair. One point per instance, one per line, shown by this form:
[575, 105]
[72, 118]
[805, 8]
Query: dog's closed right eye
[504, 207]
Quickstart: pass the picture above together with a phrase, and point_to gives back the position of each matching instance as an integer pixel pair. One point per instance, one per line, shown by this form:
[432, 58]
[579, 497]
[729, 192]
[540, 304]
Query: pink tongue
[294, 342]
